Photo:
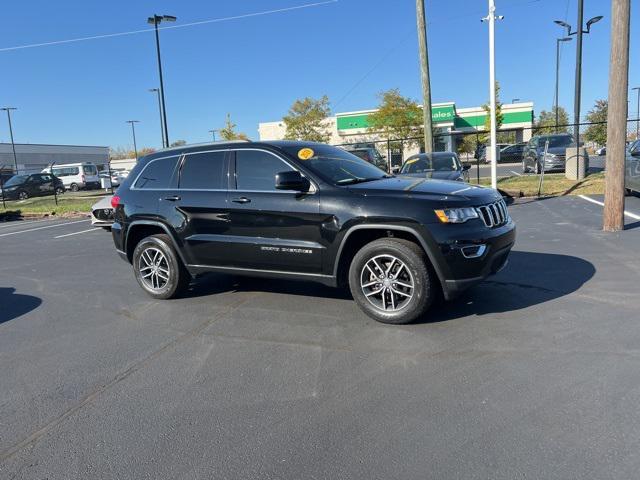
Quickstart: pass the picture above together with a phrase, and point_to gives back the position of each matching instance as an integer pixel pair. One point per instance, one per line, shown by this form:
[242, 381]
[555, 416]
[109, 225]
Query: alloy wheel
[387, 283]
[154, 269]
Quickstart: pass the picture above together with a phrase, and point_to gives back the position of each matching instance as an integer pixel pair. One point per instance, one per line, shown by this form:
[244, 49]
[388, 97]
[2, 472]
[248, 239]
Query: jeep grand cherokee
[307, 211]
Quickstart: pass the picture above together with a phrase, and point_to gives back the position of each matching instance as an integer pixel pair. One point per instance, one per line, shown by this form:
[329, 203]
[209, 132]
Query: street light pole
[578, 84]
[213, 132]
[155, 21]
[491, 18]
[133, 132]
[13, 145]
[157, 91]
[555, 106]
[637, 89]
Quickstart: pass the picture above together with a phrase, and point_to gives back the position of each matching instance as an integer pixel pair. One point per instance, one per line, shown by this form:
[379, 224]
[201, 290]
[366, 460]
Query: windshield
[335, 165]
[428, 163]
[16, 180]
[562, 141]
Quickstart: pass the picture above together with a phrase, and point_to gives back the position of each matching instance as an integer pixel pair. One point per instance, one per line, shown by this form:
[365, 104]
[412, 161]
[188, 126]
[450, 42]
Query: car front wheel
[73, 187]
[158, 269]
[390, 281]
[23, 195]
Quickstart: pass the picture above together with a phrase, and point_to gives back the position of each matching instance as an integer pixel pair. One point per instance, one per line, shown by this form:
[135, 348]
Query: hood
[431, 189]
[438, 175]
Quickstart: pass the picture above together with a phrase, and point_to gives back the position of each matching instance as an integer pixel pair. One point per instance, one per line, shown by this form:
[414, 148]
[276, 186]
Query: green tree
[397, 117]
[546, 123]
[467, 144]
[597, 116]
[229, 131]
[305, 120]
[178, 143]
[499, 117]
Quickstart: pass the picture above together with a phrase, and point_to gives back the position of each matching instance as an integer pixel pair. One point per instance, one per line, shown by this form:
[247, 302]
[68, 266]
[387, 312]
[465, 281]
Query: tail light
[115, 201]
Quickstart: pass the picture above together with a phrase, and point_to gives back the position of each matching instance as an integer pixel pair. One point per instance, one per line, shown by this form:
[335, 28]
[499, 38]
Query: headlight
[550, 156]
[456, 215]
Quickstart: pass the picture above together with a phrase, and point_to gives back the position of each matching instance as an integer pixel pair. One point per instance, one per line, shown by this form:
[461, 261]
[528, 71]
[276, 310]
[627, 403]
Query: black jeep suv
[307, 211]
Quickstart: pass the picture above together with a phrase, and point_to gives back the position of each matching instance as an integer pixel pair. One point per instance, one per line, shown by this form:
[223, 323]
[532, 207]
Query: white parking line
[628, 214]
[78, 233]
[515, 173]
[41, 228]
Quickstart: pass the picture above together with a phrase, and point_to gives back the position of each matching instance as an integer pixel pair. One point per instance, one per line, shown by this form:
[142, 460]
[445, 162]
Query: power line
[183, 25]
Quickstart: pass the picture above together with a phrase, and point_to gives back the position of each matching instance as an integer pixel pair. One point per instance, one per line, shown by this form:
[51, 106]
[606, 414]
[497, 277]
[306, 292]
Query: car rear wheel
[73, 187]
[158, 269]
[390, 281]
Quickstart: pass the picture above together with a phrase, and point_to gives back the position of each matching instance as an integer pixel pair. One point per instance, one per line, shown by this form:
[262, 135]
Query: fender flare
[390, 227]
[155, 224]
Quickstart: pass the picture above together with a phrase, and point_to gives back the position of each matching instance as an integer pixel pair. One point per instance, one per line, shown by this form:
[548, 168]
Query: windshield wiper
[352, 181]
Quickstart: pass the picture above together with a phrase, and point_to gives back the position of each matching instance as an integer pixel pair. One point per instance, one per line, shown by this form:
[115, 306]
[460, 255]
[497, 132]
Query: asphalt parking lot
[533, 374]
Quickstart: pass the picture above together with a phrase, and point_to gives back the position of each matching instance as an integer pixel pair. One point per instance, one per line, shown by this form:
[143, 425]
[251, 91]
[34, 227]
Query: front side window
[157, 174]
[335, 165]
[257, 170]
[203, 171]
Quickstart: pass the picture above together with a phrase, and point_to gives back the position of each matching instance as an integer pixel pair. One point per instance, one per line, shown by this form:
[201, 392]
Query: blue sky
[254, 68]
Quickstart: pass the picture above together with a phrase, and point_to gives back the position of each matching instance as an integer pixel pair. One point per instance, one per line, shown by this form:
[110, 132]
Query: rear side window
[257, 170]
[157, 174]
[203, 171]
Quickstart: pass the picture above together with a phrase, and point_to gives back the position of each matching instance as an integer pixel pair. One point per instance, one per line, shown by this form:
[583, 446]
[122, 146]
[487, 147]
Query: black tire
[59, 191]
[74, 187]
[538, 168]
[177, 276]
[22, 195]
[525, 168]
[414, 261]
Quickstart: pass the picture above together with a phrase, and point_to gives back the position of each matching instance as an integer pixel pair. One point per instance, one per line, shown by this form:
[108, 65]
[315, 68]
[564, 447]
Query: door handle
[172, 198]
[241, 200]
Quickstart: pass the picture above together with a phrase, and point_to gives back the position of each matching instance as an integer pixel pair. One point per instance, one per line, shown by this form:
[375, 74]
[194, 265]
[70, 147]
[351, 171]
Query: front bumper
[471, 254]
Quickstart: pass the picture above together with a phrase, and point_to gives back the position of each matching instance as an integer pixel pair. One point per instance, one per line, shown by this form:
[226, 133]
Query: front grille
[495, 214]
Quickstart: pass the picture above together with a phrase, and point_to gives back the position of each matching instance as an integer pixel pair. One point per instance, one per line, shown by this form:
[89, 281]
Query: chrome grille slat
[495, 214]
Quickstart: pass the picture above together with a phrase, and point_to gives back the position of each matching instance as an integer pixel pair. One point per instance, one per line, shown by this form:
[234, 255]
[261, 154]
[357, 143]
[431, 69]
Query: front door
[271, 229]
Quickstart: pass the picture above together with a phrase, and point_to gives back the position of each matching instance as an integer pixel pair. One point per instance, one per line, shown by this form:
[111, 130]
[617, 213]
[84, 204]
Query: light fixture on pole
[578, 83]
[491, 18]
[515, 100]
[556, 100]
[133, 132]
[213, 132]
[155, 21]
[637, 89]
[157, 92]
[13, 145]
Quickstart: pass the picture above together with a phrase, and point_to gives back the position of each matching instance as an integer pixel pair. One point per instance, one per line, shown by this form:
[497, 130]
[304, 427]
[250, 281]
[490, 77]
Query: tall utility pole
[424, 75]
[155, 21]
[617, 116]
[555, 106]
[637, 89]
[13, 145]
[157, 92]
[133, 132]
[491, 18]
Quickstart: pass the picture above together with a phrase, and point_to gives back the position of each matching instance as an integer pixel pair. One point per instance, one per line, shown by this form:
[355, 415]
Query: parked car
[512, 153]
[632, 168]
[4, 176]
[307, 211]
[21, 187]
[76, 176]
[556, 152]
[102, 213]
[601, 151]
[439, 165]
[370, 155]
[481, 151]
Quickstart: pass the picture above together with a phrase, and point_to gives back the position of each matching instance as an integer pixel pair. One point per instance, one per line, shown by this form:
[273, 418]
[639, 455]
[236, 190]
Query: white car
[76, 176]
[601, 151]
[102, 213]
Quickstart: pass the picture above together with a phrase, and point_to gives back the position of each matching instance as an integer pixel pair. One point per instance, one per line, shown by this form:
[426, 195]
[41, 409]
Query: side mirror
[466, 166]
[292, 180]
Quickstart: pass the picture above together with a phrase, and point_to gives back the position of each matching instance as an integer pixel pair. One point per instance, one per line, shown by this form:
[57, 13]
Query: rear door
[271, 229]
[197, 207]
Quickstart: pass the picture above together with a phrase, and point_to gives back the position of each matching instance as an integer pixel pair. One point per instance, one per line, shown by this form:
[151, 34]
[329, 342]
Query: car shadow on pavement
[529, 279]
[13, 305]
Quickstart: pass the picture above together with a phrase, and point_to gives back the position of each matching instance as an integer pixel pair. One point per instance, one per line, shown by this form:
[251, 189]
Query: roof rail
[202, 144]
